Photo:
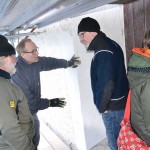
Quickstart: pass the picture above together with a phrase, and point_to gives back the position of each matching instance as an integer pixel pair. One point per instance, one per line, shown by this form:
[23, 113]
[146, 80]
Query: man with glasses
[108, 76]
[16, 122]
[27, 77]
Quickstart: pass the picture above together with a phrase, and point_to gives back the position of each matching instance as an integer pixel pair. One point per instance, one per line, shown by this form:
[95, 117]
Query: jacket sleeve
[11, 130]
[145, 103]
[49, 63]
[34, 103]
[105, 79]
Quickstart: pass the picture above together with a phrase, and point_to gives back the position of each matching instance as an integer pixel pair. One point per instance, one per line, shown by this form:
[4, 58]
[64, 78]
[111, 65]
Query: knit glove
[57, 102]
[74, 62]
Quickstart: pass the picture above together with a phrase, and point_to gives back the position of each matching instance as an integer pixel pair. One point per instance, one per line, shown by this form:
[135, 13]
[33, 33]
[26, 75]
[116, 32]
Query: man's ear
[94, 33]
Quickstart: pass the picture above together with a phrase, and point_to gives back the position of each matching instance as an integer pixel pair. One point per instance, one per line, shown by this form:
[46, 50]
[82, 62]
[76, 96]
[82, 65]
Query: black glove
[74, 62]
[57, 102]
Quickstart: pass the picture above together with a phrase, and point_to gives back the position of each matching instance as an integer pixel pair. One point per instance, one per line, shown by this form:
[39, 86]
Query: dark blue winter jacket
[108, 75]
[27, 77]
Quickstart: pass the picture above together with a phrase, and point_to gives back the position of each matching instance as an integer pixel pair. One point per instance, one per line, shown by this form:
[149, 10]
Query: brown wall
[137, 22]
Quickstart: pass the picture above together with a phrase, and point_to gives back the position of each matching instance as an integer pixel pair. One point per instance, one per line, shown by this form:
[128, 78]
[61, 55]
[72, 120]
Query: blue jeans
[36, 137]
[112, 120]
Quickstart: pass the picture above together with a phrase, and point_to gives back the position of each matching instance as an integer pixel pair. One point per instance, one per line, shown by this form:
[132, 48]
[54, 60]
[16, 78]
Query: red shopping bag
[127, 139]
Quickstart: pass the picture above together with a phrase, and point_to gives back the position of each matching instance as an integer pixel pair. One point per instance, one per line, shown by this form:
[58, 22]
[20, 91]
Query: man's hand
[57, 102]
[74, 62]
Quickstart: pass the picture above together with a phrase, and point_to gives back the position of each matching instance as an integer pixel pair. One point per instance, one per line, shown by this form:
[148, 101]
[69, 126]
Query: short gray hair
[21, 45]
[1, 60]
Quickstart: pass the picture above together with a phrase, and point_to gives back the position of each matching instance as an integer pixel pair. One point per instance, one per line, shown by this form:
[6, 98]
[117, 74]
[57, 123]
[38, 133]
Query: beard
[86, 46]
[88, 50]
[11, 67]
[13, 71]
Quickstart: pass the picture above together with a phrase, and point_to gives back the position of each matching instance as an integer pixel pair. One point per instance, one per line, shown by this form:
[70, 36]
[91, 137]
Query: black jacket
[108, 75]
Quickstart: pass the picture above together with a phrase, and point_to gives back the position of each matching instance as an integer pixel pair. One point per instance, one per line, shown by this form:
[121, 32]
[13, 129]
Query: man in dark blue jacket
[108, 76]
[27, 77]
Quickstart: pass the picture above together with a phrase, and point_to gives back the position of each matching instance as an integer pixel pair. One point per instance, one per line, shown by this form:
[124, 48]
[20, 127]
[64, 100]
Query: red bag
[127, 139]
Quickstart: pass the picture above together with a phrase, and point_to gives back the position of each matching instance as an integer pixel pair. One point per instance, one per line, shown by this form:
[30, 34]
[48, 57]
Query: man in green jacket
[16, 123]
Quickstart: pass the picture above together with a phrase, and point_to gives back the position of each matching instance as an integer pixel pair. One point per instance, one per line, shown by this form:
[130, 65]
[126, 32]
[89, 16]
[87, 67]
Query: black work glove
[57, 102]
[74, 62]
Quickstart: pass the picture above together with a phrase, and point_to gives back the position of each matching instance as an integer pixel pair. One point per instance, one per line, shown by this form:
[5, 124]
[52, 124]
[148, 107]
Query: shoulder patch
[12, 104]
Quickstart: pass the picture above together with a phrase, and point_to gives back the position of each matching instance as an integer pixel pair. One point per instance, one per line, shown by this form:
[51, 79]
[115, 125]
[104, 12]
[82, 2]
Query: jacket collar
[100, 38]
[21, 60]
[139, 61]
[140, 51]
[4, 74]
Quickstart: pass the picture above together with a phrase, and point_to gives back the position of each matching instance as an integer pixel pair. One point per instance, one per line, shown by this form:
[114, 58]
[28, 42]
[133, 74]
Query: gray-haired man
[16, 122]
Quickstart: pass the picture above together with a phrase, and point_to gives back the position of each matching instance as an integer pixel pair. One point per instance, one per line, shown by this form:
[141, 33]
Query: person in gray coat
[16, 122]
[27, 77]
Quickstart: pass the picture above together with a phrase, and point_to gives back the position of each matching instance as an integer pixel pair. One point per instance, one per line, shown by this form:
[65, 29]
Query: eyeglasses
[82, 34]
[33, 51]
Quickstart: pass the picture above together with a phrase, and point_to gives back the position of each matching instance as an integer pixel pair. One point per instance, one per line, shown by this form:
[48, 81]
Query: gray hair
[21, 45]
[1, 60]
[146, 41]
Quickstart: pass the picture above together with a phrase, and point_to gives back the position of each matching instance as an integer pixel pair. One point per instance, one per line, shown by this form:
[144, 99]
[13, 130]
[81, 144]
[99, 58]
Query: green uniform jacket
[139, 80]
[16, 130]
